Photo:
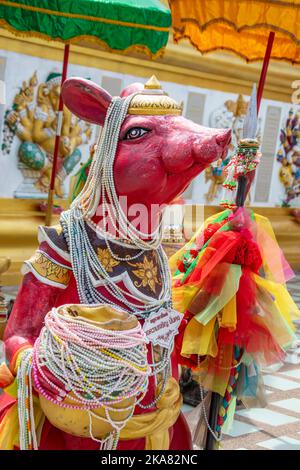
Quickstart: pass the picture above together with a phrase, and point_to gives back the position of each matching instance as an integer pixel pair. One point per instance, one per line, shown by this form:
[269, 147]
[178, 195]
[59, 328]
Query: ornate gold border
[239, 54]
[155, 111]
[236, 28]
[266, 2]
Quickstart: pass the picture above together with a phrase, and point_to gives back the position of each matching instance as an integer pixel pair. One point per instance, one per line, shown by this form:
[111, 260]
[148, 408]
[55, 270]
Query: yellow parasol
[240, 26]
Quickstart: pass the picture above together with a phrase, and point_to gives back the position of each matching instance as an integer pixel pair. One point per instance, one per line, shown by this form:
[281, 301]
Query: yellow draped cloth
[153, 426]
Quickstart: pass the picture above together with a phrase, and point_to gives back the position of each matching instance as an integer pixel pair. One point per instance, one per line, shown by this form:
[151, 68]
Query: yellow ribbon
[153, 426]
[9, 426]
[199, 339]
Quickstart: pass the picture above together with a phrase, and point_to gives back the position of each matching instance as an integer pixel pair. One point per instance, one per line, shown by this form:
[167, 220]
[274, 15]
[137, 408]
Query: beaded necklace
[87, 267]
[93, 367]
[27, 433]
[100, 182]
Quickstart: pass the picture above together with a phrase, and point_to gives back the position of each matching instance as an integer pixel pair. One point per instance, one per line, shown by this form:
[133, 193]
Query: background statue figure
[33, 119]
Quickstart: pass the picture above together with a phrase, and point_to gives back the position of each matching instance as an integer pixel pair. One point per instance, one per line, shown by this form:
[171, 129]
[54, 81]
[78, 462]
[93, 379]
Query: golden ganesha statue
[33, 119]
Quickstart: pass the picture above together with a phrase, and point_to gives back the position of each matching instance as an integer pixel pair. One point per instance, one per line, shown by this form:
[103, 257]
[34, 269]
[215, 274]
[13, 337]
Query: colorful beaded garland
[94, 368]
[246, 159]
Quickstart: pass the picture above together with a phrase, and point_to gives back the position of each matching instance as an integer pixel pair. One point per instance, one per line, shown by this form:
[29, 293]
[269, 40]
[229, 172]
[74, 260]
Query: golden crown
[154, 101]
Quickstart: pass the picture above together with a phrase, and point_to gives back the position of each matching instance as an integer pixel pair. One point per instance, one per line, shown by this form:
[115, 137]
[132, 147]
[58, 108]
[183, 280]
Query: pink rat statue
[147, 155]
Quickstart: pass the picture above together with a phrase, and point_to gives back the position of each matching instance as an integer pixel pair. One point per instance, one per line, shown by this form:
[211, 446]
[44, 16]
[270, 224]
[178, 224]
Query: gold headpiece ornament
[154, 101]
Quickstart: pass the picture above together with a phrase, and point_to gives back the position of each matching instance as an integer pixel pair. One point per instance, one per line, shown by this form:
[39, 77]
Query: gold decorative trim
[136, 48]
[234, 51]
[152, 100]
[78, 16]
[47, 270]
[147, 272]
[282, 3]
[153, 111]
[152, 84]
[238, 29]
[106, 259]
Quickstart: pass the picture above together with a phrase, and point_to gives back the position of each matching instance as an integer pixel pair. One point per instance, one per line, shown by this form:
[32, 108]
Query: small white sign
[161, 327]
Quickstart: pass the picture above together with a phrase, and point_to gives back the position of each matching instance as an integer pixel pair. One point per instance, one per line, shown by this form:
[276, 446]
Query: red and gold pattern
[147, 272]
[106, 259]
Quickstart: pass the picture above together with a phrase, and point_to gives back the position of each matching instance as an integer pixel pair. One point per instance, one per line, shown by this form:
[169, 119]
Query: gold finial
[241, 106]
[237, 108]
[152, 84]
[152, 100]
[33, 80]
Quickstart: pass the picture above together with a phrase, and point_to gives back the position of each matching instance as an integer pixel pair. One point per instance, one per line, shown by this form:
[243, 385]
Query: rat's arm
[46, 273]
[34, 300]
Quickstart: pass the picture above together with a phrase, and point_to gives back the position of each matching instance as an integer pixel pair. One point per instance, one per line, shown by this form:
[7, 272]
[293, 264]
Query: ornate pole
[57, 139]
[242, 181]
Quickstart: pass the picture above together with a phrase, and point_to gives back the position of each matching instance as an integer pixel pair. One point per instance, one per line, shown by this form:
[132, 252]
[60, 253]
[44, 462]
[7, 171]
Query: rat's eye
[135, 133]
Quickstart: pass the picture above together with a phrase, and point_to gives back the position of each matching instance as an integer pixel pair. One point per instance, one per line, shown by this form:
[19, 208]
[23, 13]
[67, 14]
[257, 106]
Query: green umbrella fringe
[139, 48]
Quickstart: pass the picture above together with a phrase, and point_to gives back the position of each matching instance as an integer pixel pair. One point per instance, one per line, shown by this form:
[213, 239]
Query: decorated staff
[244, 163]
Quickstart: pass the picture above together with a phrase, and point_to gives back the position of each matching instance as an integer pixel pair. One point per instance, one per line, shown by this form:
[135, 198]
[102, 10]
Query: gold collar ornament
[154, 101]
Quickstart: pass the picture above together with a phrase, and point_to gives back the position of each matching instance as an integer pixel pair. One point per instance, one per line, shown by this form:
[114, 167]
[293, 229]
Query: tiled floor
[281, 443]
[276, 427]
[291, 404]
[279, 383]
[240, 429]
[266, 416]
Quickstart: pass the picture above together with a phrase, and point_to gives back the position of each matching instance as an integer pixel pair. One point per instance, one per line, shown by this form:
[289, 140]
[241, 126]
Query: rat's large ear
[86, 100]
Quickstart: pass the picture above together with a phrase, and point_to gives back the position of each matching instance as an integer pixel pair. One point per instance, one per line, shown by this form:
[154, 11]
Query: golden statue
[216, 176]
[33, 119]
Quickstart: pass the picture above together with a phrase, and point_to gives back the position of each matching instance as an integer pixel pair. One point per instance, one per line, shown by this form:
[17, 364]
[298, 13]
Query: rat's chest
[137, 272]
[110, 267]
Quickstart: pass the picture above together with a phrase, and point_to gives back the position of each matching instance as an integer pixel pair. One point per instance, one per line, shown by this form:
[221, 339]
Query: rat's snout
[223, 137]
[211, 146]
[194, 145]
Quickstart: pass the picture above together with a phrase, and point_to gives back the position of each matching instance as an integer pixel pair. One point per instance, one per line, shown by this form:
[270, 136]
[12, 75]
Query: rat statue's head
[159, 152]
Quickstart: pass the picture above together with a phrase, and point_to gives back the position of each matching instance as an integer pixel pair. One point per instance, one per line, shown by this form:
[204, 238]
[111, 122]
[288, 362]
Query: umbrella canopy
[240, 26]
[118, 25]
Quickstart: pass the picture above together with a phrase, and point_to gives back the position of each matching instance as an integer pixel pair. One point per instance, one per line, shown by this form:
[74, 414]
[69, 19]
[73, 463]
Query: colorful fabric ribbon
[230, 286]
